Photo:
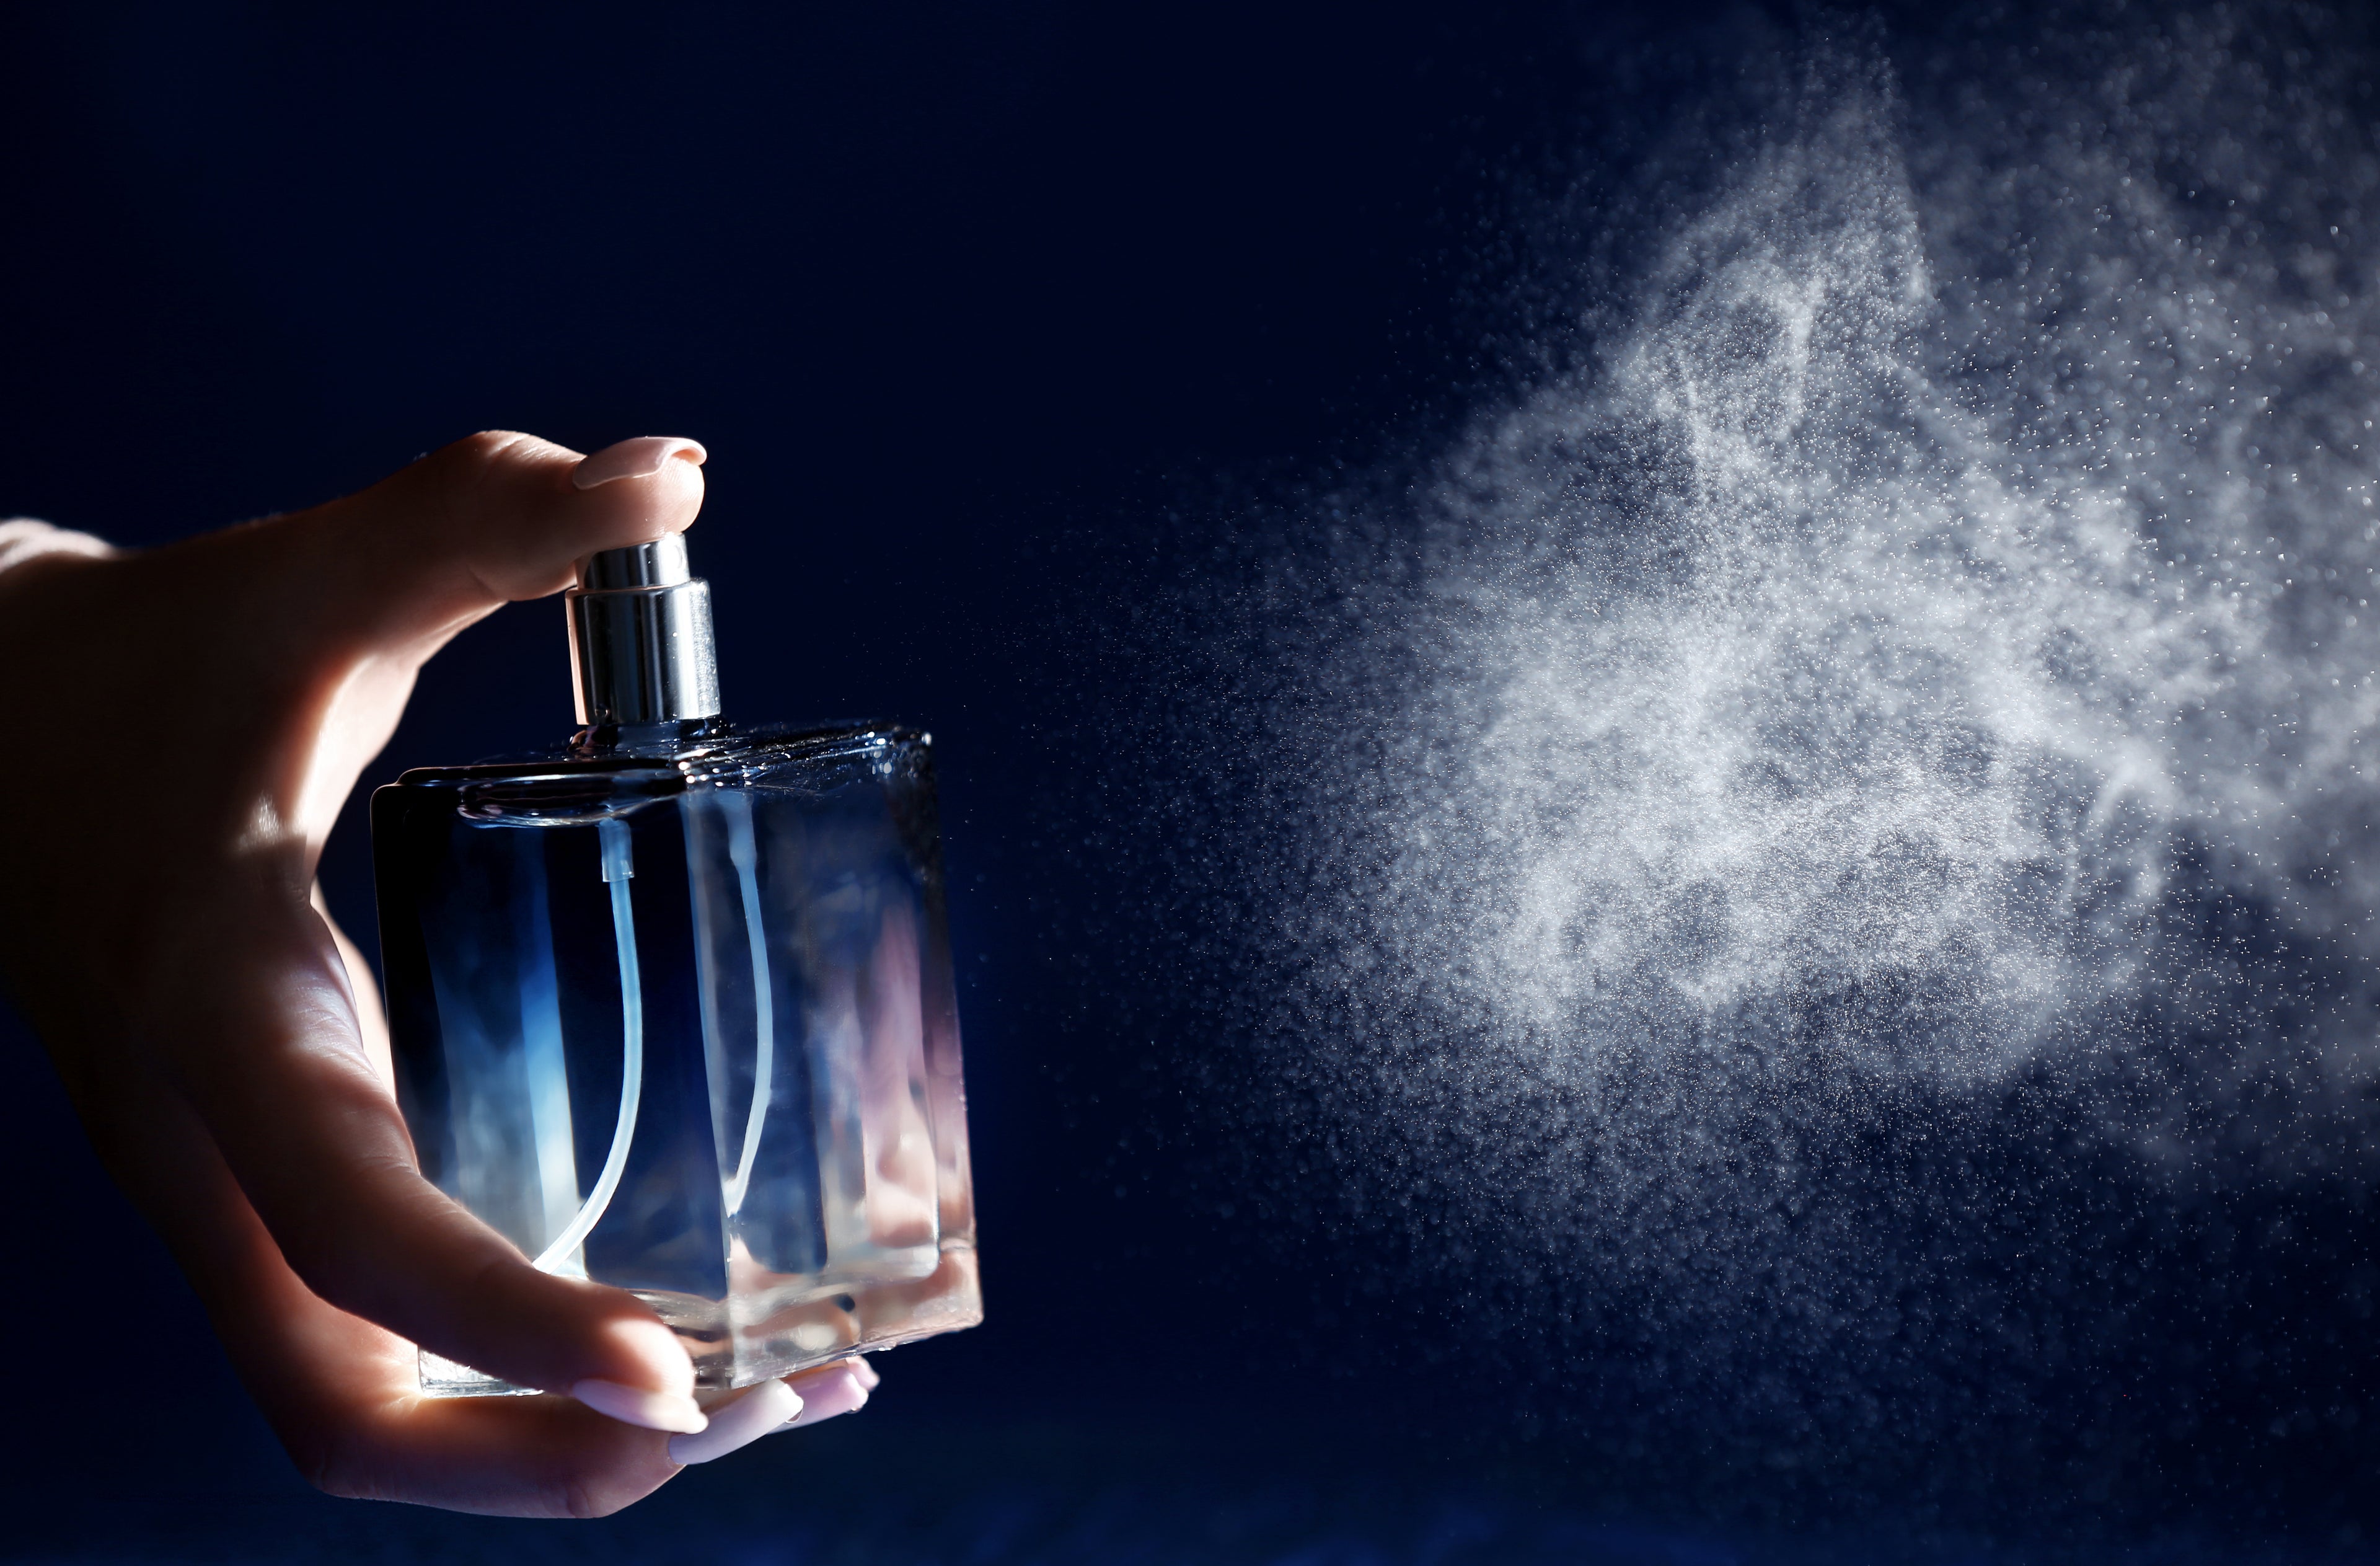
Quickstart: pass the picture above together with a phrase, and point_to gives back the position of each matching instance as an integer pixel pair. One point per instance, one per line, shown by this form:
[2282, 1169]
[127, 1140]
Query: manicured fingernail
[639, 458]
[764, 1408]
[865, 1372]
[839, 1390]
[634, 1405]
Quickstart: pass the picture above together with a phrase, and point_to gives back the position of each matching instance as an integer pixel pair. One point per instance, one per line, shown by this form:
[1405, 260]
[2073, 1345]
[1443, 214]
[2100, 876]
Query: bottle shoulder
[579, 781]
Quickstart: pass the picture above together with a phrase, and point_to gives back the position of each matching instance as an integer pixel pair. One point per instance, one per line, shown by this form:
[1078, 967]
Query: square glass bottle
[673, 1007]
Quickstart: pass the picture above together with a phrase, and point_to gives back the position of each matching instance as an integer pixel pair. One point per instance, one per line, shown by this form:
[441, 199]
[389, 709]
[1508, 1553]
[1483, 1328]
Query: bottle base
[778, 1338]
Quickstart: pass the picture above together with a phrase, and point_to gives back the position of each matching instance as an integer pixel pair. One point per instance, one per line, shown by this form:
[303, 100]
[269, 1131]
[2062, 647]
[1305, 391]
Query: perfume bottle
[672, 1004]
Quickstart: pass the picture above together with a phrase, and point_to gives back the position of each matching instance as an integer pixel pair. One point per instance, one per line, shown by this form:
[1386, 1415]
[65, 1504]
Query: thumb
[269, 614]
[314, 623]
[400, 567]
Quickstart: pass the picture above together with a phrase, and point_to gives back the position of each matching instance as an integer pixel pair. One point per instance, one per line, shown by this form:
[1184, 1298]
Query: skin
[220, 1038]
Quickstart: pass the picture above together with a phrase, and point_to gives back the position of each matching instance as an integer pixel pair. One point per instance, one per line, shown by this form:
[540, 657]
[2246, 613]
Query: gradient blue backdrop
[960, 298]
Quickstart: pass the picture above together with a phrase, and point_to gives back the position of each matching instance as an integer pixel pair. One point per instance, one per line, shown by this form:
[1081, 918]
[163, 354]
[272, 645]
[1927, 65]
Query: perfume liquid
[673, 1006]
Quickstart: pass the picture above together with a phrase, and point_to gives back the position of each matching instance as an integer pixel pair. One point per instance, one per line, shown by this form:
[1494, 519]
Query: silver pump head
[640, 647]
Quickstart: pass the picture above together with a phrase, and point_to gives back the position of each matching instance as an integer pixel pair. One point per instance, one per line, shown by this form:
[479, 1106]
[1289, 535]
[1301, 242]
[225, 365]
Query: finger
[793, 1403]
[341, 1392]
[838, 1389]
[486, 521]
[739, 1423]
[363, 993]
[294, 640]
[373, 585]
[262, 1043]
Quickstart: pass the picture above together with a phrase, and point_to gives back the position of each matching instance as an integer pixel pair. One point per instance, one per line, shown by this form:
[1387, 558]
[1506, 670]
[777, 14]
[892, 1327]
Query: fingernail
[639, 459]
[839, 1390]
[634, 1405]
[750, 1417]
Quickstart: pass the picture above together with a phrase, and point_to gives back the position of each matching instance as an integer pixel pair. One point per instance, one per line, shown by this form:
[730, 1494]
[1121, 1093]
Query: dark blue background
[948, 292]
[961, 299]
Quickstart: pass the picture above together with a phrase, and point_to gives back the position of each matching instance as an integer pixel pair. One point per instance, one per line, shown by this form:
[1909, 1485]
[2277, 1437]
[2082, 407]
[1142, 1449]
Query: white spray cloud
[1879, 617]
[1814, 867]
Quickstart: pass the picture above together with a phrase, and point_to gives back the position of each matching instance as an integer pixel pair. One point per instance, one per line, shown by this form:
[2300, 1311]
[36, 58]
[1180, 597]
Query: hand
[221, 1037]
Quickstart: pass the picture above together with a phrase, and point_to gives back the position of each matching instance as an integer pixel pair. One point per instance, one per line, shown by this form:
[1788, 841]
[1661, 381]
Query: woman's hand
[221, 1039]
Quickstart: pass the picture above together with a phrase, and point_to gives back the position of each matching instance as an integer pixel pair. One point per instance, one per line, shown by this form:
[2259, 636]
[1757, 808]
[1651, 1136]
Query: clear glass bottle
[673, 1006]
